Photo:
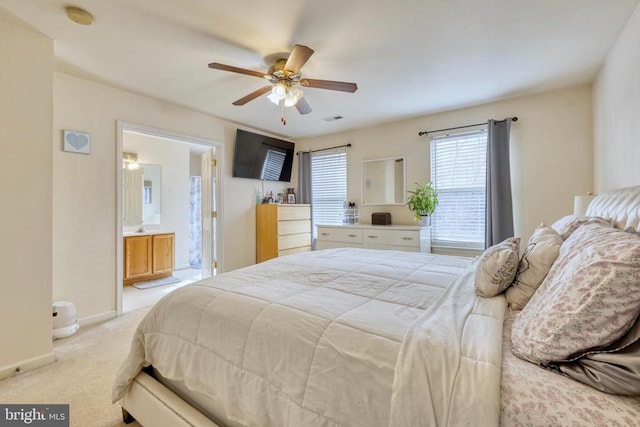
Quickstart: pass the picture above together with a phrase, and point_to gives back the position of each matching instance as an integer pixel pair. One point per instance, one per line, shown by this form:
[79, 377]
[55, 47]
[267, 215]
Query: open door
[209, 214]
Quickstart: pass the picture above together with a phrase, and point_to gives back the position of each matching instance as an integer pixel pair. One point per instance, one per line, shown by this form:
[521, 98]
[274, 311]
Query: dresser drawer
[346, 235]
[294, 227]
[327, 244]
[292, 212]
[410, 238]
[294, 250]
[293, 241]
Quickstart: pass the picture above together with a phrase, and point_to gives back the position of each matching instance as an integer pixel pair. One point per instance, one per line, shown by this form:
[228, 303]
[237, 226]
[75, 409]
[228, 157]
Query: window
[328, 188]
[458, 173]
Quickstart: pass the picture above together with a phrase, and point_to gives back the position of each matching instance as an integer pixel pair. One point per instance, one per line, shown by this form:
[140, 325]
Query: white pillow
[570, 223]
[588, 300]
[538, 257]
[497, 267]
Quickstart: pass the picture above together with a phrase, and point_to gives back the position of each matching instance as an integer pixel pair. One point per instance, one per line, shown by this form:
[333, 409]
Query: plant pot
[425, 221]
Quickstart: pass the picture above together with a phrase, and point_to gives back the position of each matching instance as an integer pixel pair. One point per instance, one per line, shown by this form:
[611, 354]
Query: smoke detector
[79, 15]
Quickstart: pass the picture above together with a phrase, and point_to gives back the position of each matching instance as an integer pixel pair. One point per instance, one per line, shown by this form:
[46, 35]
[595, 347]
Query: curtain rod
[324, 149]
[424, 132]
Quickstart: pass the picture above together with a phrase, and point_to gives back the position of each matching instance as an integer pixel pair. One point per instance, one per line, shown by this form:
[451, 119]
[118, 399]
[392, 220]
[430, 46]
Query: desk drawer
[409, 238]
[346, 235]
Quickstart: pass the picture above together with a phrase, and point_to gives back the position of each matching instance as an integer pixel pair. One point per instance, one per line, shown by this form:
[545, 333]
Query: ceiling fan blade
[329, 84]
[233, 69]
[253, 95]
[298, 57]
[303, 106]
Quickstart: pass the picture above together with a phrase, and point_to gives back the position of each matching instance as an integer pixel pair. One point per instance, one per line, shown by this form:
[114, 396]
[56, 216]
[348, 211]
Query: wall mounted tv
[262, 157]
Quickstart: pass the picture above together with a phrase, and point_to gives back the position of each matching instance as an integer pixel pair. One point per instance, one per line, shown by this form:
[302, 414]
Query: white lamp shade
[581, 203]
[273, 98]
[279, 90]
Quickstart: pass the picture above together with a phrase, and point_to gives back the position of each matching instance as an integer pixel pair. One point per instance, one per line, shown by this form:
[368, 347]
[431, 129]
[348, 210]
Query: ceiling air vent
[332, 118]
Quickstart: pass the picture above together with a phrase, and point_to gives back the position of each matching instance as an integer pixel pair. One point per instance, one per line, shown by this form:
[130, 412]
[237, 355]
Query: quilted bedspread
[339, 337]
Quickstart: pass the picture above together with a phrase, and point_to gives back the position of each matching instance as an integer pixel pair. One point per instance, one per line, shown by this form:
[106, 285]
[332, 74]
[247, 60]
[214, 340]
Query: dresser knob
[353, 235]
[372, 237]
[407, 238]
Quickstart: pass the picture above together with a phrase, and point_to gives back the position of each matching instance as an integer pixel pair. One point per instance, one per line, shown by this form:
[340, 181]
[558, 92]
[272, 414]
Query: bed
[354, 337]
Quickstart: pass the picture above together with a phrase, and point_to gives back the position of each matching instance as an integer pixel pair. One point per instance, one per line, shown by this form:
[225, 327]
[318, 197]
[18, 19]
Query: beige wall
[551, 153]
[84, 188]
[617, 112]
[26, 114]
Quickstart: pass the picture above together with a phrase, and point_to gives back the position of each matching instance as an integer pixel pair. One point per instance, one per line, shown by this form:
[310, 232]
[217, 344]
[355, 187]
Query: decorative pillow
[538, 257]
[497, 267]
[589, 298]
[614, 369]
[570, 223]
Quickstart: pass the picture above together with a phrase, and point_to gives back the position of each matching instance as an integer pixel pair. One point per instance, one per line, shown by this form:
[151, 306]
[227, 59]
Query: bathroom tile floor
[133, 298]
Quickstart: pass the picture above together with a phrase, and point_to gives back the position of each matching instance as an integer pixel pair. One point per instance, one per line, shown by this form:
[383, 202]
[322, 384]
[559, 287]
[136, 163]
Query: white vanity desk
[412, 238]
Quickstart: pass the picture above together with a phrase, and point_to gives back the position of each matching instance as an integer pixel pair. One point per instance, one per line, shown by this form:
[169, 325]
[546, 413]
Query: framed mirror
[384, 181]
[141, 195]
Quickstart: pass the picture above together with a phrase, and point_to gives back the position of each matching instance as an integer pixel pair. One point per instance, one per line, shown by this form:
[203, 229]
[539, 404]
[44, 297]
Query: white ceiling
[408, 57]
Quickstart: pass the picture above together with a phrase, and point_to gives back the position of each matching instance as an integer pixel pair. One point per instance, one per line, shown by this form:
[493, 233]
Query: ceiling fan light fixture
[273, 98]
[279, 90]
[292, 96]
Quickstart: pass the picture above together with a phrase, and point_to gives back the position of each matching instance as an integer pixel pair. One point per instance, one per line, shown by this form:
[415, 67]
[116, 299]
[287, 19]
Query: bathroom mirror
[383, 181]
[141, 195]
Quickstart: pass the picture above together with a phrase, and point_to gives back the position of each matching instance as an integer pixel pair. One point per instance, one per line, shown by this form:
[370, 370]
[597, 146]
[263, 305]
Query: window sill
[456, 251]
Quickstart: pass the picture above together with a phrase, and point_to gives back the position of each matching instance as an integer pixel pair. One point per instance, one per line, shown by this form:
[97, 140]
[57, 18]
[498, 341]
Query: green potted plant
[422, 202]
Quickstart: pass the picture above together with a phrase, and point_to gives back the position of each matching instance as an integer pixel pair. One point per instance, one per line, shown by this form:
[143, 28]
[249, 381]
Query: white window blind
[328, 188]
[458, 173]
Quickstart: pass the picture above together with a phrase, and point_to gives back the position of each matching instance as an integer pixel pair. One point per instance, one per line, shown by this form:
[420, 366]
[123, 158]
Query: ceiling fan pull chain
[283, 119]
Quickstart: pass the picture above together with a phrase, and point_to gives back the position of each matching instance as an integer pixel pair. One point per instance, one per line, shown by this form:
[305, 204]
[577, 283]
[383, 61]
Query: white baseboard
[101, 317]
[26, 365]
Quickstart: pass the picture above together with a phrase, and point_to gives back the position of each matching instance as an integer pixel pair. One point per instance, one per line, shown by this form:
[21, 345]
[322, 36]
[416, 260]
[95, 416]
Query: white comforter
[340, 337]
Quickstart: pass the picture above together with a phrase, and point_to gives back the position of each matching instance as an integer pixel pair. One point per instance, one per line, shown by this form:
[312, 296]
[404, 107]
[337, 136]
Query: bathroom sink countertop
[143, 233]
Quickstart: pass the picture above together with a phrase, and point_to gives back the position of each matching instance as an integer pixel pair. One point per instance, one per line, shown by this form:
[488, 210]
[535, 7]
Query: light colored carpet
[83, 374]
[157, 282]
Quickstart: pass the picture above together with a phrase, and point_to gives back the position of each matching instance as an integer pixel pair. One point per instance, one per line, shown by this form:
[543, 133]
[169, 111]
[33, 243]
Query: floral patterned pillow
[497, 267]
[589, 299]
[570, 223]
[538, 257]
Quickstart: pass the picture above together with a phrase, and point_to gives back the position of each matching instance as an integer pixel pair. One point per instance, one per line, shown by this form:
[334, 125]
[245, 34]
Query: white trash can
[65, 319]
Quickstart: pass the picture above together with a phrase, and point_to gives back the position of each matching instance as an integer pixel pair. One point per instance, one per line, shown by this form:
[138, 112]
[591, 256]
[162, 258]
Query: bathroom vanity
[147, 256]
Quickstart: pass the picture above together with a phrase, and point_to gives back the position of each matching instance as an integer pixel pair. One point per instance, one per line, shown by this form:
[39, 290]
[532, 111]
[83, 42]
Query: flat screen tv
[262, 157]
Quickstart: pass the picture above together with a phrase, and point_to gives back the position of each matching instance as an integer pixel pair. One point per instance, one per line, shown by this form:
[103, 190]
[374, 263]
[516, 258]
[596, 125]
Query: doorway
[178, 157]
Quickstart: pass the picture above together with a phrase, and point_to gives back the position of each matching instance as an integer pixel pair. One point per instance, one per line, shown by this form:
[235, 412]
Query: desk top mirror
[384, 181]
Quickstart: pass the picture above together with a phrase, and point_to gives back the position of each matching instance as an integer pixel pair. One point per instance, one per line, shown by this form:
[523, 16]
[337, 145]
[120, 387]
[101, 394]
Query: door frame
[218, 147]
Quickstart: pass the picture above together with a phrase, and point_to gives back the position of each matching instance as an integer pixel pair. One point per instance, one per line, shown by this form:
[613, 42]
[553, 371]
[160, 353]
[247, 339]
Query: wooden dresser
[282, 230]
[148, 256]
[397, 237]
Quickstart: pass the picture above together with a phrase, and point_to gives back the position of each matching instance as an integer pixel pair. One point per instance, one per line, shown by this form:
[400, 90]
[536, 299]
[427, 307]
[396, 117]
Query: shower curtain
[195, 221]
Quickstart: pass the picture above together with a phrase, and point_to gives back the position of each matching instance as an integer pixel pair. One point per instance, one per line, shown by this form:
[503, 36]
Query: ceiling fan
[284, 78]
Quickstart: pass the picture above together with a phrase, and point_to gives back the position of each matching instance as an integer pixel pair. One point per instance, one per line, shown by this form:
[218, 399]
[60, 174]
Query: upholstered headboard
[622, 205]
